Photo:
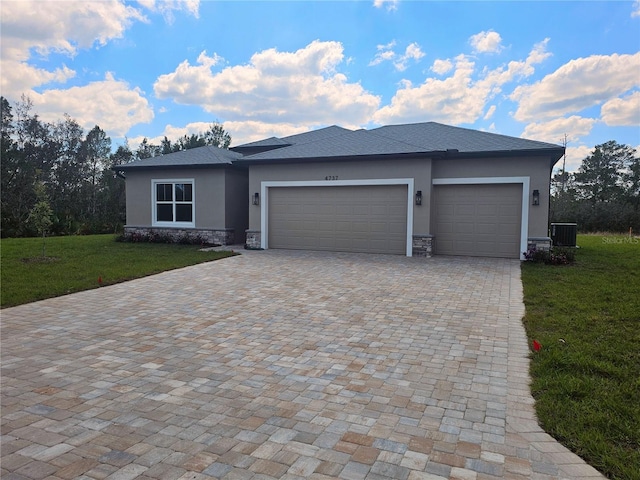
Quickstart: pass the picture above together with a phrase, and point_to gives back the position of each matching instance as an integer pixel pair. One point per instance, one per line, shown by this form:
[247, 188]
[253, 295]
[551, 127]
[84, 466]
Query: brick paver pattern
[280, 364]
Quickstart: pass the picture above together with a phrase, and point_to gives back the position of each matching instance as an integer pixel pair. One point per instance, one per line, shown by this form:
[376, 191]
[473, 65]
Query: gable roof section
[267, 142]
[316, 135]
[194, 157]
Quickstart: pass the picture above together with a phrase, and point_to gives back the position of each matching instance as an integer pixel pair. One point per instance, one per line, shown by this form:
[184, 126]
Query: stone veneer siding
[538, 243]
[422, 246]
[253, 240]
[213, 237]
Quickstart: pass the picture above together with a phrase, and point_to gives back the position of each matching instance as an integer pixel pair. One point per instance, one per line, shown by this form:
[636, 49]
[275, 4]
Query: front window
[173, 202]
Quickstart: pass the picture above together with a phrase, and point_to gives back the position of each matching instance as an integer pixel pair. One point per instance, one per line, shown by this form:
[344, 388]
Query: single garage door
[478, 220]
[362, 218]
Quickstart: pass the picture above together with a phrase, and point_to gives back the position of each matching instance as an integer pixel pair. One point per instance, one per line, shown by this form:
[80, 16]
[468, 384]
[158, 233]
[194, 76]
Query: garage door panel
[490, 210]
[478, 220]
[464, 229]
[485, 228]
[370, 218]
[379, 227]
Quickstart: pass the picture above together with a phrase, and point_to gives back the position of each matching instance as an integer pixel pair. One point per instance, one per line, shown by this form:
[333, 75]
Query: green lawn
[586, 377]
[75, 263]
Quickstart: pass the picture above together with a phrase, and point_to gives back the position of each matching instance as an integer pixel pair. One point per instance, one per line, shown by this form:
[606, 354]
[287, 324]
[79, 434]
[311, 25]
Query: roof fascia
[554, 153]
[128, 168]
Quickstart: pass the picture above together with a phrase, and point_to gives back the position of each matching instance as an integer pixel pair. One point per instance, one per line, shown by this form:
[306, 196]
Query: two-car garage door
[481, 220]
[350, 218]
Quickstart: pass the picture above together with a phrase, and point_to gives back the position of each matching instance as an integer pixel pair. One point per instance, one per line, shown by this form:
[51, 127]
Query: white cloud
[61, 27]
[577, 85]
[442, 66]
[46, 27]
[386, 53]
[490, 112]
[241, 132]
[412, 52]
[207, 61]
[486, 42]
[167, 7]
[112, 104]
[452, 100]
[624, 111]
[390, 5]
[383, 55]
[19, 77]
[635, 9]
[459, 98]
[280, 87]
[250, 131]
[574, 157]
[554, 131]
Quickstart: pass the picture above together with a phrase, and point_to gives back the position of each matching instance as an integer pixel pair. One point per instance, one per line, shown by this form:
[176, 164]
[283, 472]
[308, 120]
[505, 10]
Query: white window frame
[524, 181]
[173, 182]
[266, 185]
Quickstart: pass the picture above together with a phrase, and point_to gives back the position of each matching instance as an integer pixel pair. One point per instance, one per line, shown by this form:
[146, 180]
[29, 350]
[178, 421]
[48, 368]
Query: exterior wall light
[419, 197]
[536, 197]
[256, 198]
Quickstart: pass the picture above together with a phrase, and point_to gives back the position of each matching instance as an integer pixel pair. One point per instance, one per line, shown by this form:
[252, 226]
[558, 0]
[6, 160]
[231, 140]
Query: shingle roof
[267, 142]
[418, 138]
[316, 135]
[335, 142]
[200, 156]
[348, 143]
[432, 136]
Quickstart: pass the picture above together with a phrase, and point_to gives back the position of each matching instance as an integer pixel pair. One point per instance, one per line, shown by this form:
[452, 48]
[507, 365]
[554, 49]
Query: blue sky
[152, 68]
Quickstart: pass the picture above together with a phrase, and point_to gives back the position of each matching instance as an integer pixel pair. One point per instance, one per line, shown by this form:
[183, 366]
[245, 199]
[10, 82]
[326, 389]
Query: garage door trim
[524, 220]
[266, 185]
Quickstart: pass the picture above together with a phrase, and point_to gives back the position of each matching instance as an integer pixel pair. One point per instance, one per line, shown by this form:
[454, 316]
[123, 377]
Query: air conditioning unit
[564, 234]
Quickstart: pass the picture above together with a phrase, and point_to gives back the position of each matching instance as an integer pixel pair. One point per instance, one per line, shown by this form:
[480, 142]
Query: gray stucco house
[416, 189]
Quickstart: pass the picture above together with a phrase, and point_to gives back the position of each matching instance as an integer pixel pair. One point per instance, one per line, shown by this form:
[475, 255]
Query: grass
[586, 377]
[75, 263]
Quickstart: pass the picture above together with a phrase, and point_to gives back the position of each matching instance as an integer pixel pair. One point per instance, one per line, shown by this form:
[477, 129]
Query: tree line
[58, 165]
[604, 194]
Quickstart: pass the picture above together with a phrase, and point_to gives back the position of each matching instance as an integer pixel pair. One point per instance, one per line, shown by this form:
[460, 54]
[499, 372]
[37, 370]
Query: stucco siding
[209, 186]
[138, 196]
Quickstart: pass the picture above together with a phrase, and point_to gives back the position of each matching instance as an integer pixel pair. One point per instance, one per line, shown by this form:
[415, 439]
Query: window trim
[154, 202]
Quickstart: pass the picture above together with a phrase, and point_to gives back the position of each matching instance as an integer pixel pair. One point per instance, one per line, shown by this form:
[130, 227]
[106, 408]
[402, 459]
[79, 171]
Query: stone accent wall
[538, 243]
[212, 237]
[422, 246]
[253, 240]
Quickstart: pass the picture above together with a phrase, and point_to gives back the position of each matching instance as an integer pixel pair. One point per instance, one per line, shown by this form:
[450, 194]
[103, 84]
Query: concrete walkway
[280, 364]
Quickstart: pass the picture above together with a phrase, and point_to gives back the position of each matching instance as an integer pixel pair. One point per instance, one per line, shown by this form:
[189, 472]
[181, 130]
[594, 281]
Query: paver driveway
[279, 364]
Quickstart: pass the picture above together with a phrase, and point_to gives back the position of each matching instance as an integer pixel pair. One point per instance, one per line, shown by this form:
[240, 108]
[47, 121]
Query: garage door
[363, 218]
[478, 220]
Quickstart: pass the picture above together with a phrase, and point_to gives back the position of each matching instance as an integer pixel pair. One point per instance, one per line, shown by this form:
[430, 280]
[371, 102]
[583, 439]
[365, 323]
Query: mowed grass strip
[75, 263]
[586, 377]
